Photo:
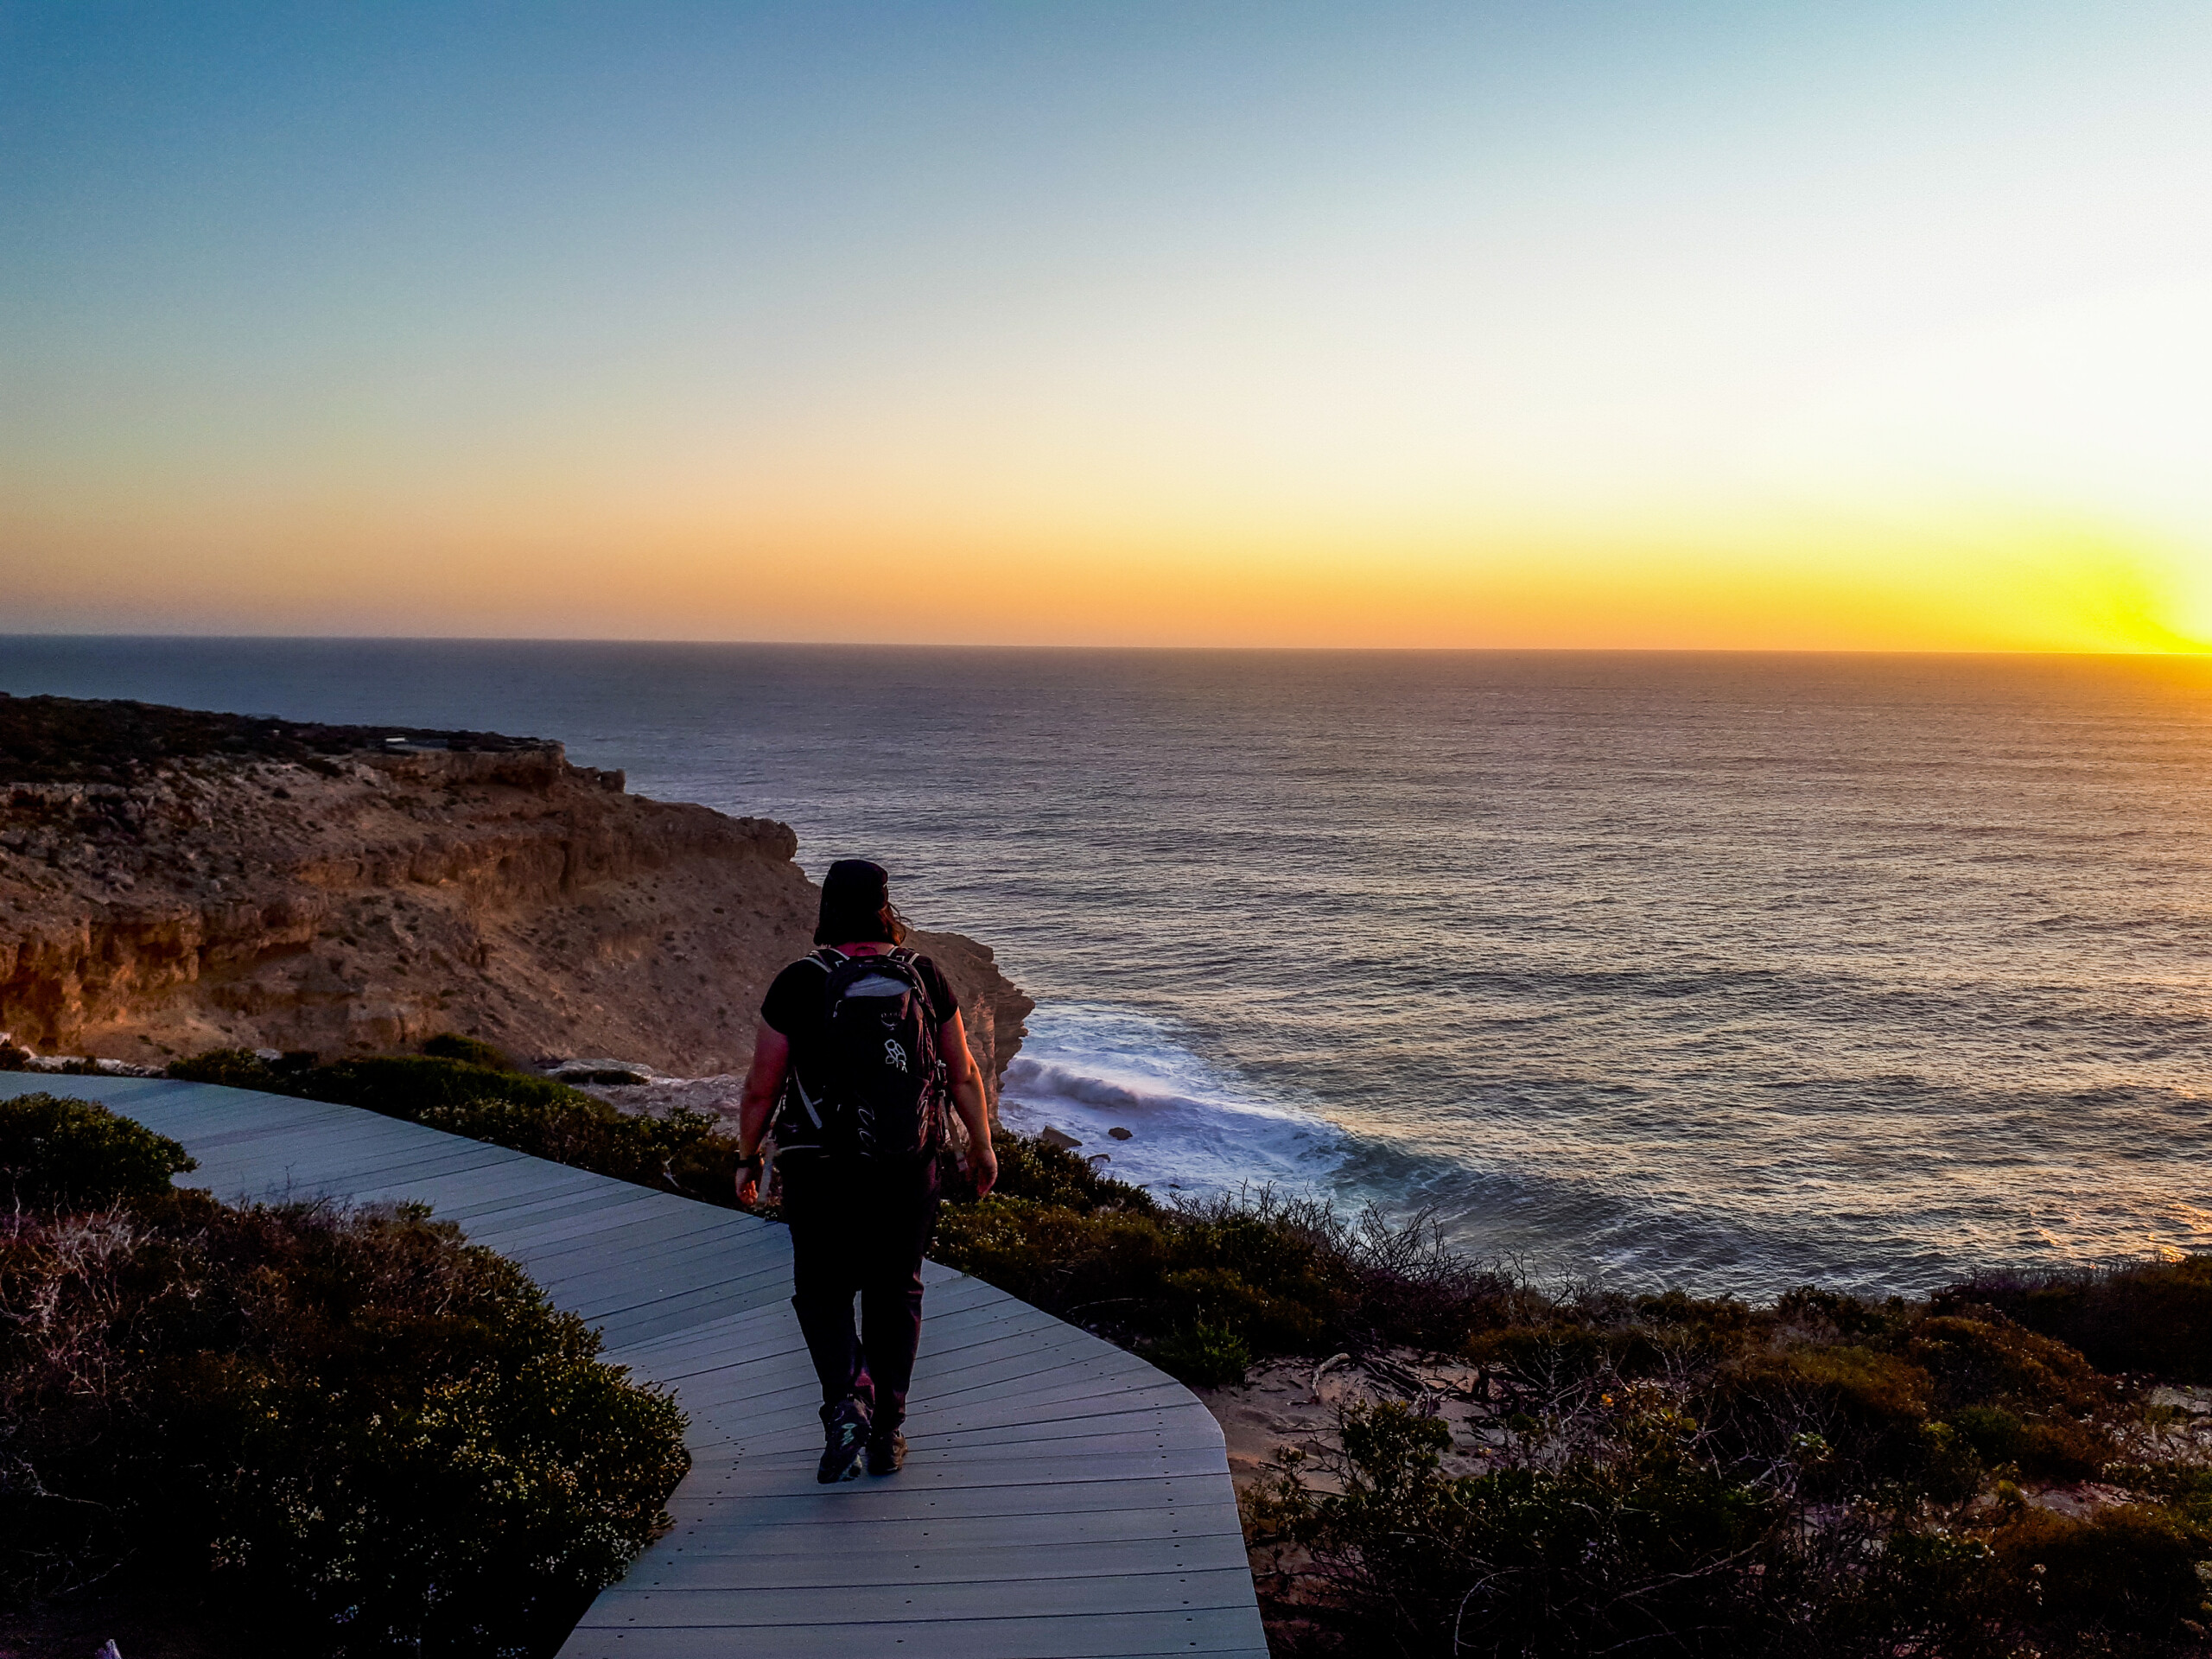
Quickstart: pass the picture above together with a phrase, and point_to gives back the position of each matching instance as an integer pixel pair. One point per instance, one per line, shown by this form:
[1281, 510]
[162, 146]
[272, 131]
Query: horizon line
[2149, 653]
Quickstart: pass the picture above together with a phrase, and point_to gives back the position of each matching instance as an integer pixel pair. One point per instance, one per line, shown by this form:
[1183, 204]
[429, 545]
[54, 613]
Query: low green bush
[349, 1434]
[2123, 1574]
[1034, 1169]
[1284, 1277]
[1205, 1356]
[229, 1068]
[485, 1099]
[451, 1045]
[2149, 1316]
[56, 1153]
[1648, 1539]
[1648, 1548]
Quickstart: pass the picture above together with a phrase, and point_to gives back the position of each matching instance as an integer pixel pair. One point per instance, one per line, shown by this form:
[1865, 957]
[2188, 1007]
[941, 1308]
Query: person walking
[859, 1054]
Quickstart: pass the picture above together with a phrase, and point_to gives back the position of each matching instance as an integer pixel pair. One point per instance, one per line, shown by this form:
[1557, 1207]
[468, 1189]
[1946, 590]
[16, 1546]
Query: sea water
[1732, 972]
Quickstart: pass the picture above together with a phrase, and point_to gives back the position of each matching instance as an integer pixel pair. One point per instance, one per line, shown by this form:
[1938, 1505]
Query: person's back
[859, 1052]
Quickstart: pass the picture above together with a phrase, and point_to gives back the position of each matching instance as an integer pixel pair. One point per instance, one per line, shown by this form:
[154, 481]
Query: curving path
[1063, 1498]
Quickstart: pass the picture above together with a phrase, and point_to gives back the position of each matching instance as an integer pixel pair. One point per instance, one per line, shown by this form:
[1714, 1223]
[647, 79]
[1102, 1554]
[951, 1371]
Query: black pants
[861, 1229]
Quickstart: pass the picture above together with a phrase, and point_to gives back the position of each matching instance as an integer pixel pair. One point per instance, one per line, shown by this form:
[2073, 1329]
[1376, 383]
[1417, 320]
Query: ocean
[1720, 971]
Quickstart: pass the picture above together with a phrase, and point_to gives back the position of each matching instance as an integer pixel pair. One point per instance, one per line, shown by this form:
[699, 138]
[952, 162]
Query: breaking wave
[1087, 1070]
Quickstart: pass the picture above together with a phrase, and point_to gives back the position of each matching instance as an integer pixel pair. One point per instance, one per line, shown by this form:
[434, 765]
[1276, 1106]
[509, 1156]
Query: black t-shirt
[794, 1006]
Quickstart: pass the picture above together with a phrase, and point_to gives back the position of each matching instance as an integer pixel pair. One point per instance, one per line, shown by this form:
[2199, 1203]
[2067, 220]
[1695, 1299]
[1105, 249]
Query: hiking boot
[847, 1445]
[886, 1452]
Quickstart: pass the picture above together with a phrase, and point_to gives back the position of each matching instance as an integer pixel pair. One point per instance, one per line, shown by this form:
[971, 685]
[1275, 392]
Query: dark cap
[854, 883]
[856, 905]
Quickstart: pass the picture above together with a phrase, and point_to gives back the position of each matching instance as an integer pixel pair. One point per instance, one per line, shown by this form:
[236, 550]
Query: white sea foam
[1086, 1069]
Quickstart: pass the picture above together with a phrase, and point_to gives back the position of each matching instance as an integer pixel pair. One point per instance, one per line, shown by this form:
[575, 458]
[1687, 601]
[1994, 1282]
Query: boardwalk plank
[1128, 1636]
[680, 1313]
[888, 1500]
[1075, 1535]
[591, 1211]
[926, 1449]
[670, 1255]
[768, 1397]
[1166, 1590]
[837, 1561]
[654, 1230]
[984, 1350]
[1058, 1467]
[704, 1292]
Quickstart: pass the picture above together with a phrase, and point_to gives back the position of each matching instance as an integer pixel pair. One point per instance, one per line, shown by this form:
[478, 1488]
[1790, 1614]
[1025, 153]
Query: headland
[172, 880]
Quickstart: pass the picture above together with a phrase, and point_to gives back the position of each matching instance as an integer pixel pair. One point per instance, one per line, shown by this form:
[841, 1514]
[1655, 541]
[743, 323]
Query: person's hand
[748, 1183]
[983, 1169]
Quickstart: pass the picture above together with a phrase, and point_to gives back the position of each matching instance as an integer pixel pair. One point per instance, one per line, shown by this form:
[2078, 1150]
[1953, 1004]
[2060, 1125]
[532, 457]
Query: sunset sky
[1866, 325]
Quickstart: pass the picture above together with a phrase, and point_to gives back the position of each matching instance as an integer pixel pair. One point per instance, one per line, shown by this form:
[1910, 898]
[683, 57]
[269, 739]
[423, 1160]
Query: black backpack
[875, 1088]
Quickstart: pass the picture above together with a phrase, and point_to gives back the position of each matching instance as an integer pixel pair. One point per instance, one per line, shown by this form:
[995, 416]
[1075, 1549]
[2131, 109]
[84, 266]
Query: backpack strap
[794, 1091]
[907, 961]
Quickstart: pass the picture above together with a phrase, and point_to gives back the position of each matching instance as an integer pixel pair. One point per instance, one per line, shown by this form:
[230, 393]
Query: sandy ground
[1296, 1404]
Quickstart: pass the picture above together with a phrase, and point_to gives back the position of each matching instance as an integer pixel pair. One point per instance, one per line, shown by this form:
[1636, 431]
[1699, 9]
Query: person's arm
[968, 1099]
[772, 1053]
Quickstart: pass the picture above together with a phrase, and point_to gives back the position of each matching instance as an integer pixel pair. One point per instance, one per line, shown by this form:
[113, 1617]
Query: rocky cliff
[172, 881]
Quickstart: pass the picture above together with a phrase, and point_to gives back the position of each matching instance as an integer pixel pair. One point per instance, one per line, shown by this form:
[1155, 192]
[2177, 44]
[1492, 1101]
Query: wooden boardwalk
[1063, 1498]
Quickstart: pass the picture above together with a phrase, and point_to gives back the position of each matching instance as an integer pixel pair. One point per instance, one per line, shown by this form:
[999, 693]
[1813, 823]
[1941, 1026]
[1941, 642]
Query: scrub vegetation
[71, 740]
[2014, 1466]
[1827, 1475]
[328, 1431]
[467, 1087]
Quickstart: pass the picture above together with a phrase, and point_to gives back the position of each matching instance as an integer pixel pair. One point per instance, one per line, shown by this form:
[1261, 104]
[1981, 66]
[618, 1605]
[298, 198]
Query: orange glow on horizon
[1791, 583]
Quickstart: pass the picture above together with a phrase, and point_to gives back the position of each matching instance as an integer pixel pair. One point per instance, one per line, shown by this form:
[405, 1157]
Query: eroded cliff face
[358, 902]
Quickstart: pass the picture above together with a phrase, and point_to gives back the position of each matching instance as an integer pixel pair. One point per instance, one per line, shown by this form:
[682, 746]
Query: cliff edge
[172, 880]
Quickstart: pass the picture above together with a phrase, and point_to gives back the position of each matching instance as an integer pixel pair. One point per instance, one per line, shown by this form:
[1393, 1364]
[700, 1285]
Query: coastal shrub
[1818, 1477]
[67, 739]
[684, 1152]
[1872, 1403]
[1102, 1265]
[1284, 1277]
[2149, 1316]
[1034, 1169]
[1616, 1520]
[2126, 1571]
[229, 1068]
[1535, 1355]
[451, 1045]
[349, 1431]
[1205, 1356]
[1814, 1311]
[1987, 1357]
[405, 1085]
[1651, 1547]
[56, 1152]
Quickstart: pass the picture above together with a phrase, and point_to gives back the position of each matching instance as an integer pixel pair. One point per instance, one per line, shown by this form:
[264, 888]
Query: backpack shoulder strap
[910, 964]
